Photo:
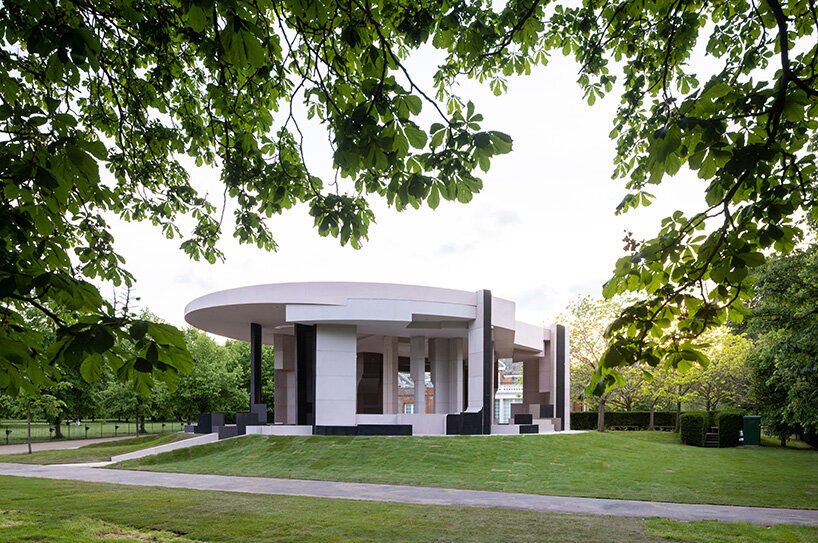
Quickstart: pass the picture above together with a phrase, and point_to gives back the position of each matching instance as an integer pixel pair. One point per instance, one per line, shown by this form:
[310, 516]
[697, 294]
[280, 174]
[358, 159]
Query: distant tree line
[724, 381]
[218, 381]
[766, 362]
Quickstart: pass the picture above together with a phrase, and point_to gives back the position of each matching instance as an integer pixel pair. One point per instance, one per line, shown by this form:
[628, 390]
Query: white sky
[541, 232]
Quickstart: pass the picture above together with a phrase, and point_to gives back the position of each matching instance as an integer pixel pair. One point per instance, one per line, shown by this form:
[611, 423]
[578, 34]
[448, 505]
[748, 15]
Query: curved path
[419, 495]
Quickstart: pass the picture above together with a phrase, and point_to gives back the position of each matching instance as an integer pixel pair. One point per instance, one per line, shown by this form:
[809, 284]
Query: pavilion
[342, 348]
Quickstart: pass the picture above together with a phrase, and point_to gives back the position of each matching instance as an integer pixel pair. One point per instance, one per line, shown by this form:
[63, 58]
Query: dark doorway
[370, 387]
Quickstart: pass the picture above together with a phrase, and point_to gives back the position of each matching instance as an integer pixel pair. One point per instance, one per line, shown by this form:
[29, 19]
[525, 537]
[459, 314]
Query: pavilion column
[417, 369]
[481, 362]
[336, 372]
[285, 386]
[390, 375]
[563, 399]
[439, 356]
[456, 375]
[304, 381]
[255, 365]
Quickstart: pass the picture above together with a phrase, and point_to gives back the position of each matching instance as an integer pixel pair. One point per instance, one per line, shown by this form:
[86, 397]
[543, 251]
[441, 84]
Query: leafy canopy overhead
[748, 130]
[138, 88]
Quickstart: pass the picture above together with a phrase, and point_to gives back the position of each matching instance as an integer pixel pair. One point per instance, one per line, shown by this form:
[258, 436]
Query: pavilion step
[546, 426]
[226, 431]
[523, 418]
[711, 439]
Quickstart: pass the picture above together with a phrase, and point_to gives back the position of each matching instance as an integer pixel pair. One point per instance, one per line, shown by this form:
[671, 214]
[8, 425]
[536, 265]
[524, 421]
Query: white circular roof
[277, 306]
[375, 308]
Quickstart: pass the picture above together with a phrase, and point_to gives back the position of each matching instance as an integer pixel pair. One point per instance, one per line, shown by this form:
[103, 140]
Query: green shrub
[583, 420]
[811, 438]
[694, 428]
[586, 420]
[730, 423]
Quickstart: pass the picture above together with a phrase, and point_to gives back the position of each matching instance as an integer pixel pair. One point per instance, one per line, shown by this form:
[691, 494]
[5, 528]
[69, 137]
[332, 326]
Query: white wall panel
[335, 375]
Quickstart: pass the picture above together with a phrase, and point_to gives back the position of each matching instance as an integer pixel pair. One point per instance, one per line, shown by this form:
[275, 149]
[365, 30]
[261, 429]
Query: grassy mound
[629, 465]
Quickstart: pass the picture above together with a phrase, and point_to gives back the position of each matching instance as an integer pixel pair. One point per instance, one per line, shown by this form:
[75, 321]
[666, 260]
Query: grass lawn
[97, 452]
[630, 465]
[72, 512]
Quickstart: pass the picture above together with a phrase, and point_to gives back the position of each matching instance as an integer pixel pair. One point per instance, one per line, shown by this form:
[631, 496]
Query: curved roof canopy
[375, 308]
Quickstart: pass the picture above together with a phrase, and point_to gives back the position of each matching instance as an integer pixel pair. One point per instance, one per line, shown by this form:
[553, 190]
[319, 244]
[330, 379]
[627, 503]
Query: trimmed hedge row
[694, 424]
[694, 427]
[730, 423]
[586, 420]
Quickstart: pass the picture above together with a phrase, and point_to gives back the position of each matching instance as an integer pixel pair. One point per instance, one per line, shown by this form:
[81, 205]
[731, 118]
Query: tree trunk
[600, 418]
[652, 410]
[142, 425]
[57, 428]
[28, 417]
[783, 440]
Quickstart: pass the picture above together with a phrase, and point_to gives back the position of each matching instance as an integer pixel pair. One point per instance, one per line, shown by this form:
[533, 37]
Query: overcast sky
[542, 231]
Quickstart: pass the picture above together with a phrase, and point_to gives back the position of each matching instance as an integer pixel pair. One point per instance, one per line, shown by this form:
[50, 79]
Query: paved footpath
[419, 495]
[57, 444]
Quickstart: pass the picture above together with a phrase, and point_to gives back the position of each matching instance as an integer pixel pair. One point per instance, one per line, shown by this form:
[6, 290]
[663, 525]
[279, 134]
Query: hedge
[730, 423]
[811, 438]
[694, 427]
[586, 420]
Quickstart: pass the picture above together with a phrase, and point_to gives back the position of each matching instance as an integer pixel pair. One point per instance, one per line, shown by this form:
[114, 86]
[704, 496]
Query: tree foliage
[728, 90]
[746, 127]
[587, 318]
[784, 321]
[725, 380]
[143, 89]
[210, 386]
[218, 381]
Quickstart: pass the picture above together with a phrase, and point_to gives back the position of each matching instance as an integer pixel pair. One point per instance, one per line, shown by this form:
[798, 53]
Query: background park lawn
[97, 452]
[73, 512]
[16, 431]
[628, 465]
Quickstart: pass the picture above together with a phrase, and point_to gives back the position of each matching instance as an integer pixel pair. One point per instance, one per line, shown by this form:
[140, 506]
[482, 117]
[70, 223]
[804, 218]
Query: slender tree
[726, 378]
[588, 318]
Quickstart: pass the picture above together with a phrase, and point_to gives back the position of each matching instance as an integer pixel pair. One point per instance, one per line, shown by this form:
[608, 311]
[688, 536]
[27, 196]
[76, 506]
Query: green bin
[752, 430]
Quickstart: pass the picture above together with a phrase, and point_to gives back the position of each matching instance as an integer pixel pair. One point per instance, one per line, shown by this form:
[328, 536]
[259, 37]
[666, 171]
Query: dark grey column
[305, 373]
[488, 364]
[255, 365]
[560, 402]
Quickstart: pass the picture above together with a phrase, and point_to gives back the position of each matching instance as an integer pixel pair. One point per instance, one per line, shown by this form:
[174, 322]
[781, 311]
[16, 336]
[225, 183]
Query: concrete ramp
[181, 444]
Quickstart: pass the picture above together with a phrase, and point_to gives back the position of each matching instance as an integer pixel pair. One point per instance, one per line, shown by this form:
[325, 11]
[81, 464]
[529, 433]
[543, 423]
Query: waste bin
[752, 430]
